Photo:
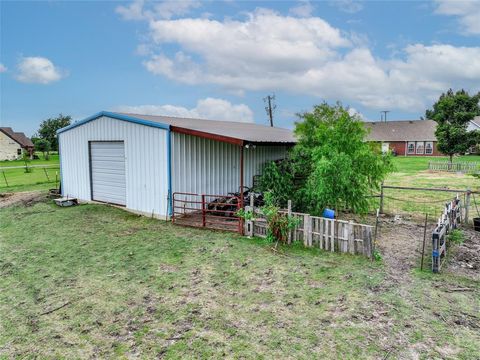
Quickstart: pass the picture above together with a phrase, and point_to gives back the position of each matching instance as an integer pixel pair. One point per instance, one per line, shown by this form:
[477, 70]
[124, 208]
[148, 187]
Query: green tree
[339, 167]
[277, 179]
[43, 145]
[48, 129]
[453, 112]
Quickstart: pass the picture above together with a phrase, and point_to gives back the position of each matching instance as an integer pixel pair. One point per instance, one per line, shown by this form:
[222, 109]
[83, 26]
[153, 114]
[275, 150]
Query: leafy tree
[48, 129]
[43, 146]
[339, 167]
[453, 112]
[277, 179]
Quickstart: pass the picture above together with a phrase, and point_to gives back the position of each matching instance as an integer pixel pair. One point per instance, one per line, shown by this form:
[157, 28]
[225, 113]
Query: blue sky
[219, 59]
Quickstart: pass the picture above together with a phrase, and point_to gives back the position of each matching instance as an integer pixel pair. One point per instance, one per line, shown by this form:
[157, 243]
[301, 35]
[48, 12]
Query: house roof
[405, 130]
[476, 121]
[227, 131]
[19, 137]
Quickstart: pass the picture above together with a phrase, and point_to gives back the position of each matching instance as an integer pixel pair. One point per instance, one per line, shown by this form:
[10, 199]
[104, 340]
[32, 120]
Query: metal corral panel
[146, 162]
[205, 166]
[107, 166]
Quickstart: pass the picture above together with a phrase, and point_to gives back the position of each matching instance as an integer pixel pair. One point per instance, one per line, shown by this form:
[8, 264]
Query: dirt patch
[400, 241]
[27, 198]
[465, 258]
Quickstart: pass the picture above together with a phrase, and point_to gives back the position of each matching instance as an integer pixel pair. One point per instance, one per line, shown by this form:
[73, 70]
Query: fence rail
[328, 234]
[463, 166]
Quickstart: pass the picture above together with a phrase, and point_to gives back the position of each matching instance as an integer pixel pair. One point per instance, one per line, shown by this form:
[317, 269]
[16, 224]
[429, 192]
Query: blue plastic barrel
[329, 214]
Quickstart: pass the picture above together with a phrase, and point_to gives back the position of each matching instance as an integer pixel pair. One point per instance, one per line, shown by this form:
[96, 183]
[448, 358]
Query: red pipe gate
[206, 211]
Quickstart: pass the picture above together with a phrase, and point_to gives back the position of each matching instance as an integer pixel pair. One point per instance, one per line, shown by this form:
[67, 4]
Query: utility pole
[383, 115]
[270, 107]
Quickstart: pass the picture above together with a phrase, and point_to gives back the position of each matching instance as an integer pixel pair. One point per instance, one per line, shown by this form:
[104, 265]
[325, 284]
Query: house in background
[14, 144]
[405, 138]
[474, 124]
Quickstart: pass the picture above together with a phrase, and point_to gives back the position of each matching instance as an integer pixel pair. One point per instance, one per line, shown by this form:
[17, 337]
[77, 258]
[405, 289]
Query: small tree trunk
[450, 162]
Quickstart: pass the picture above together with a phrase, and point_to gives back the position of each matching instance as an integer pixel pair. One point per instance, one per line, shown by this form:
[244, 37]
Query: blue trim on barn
[169, 174]
[113, 115]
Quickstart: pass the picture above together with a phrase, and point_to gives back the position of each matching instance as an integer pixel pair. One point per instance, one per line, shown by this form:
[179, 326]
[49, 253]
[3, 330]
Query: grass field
[38, 179]
[97, 282]
[413, 172]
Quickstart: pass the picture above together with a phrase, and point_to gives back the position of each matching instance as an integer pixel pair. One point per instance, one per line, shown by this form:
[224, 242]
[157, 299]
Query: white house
[13, 144]
[139, 161]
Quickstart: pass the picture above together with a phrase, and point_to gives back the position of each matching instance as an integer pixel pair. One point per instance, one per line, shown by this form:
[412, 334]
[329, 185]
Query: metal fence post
[467, 205]
[381, 198]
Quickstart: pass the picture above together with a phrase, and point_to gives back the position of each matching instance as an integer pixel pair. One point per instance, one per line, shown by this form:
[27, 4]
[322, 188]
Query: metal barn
[140, 161]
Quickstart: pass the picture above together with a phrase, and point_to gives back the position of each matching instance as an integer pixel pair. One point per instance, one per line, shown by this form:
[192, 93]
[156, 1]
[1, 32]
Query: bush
[277, 179]
[456, 236]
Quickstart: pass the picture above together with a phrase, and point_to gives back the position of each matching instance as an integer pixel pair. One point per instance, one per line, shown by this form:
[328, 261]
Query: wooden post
[381, 198]
[467, 205]
[289, 213]
[250, 222]
[307, 231]
[321, 231]
[351, 238]
[332, 240]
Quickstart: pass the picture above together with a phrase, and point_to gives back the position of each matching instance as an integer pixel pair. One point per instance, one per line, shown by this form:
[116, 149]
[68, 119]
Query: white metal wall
[145, 162]
[206, 166]
[255, 158]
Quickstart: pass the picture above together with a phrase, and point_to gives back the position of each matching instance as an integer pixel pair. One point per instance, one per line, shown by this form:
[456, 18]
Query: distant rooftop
[19, 137]
[403, 130]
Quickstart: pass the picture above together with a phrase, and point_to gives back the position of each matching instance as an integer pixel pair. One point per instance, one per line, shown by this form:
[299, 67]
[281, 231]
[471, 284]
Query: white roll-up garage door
[107, 168]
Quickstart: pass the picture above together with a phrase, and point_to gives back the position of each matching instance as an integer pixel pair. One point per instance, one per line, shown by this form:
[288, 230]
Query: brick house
[405, 138]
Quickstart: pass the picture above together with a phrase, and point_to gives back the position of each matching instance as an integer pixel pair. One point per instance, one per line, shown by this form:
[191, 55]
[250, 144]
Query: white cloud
[267, 51]
[3, 68]
[134, 11]
[468, 13]
[352, 111]
[303, 9]
[348, 6]
[209, 108]
[38, 70]
[140, 10]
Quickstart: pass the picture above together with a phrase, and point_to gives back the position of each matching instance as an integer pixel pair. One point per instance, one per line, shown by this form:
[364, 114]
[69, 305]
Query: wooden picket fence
[462, 166]
[449, 220]
[327, 234]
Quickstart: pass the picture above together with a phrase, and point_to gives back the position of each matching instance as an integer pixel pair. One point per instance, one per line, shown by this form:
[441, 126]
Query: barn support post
[203, 211]
[241, 188]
